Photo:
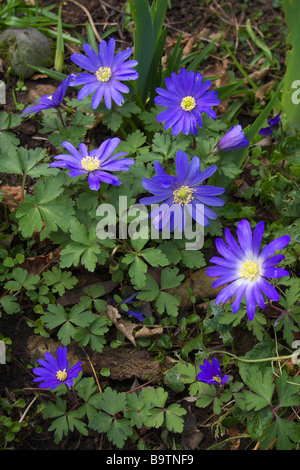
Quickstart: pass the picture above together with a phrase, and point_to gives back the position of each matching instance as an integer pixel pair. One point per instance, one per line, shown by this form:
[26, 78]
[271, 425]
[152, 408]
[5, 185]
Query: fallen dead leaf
[260, 94]
[145, 331]
[127, 328]
[38, 76]
[188, 47]
[41, 90]
[258, 75]
[15, 192]
[40, 263]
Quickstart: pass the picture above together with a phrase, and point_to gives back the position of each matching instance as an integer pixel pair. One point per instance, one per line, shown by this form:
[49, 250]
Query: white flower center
[183, 195]
[90, 163]
[61, 375]
[103, 74]
[217, 378]
[250, 270]
[188, 103]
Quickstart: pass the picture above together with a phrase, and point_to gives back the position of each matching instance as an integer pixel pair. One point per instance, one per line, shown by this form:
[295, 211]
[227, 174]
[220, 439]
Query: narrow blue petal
[250, 301]
[275, 245]
[258, 234]
[244, 234]
[275, 273]
[268, 290]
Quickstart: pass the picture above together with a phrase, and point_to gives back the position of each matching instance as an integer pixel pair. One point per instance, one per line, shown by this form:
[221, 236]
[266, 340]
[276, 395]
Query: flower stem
[61, 118]
[265, 359]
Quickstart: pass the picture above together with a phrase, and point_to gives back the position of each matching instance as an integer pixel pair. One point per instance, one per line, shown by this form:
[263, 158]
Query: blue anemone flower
[95, 163]
[210, 373]
[54, 372]
[51, 101]
[272, 125]
[234, 139]
[138, 315]
[108, 71]
[186, 97]
[244, 268]
[181, 193]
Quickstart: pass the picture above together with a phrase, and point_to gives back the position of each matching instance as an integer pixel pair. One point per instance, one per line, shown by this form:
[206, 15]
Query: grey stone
[20, 47]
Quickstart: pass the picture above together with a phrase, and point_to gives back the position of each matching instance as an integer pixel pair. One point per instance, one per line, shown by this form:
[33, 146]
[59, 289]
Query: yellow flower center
[90, 163]
[183, 195]
[188, 103]
[103, 74]
[249, 270]
[50, 97]
[61, 375]
[217, 378]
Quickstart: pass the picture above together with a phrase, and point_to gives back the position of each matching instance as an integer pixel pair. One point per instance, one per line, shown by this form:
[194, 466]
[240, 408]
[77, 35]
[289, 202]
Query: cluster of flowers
[242, 267]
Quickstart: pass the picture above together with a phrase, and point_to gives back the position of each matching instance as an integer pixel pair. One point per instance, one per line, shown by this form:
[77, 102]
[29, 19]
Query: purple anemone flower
[50, 101]
[138, 315]
[244, 268]
[95, 163]
[234, 139]
[210, 373]
[181, 193]
[272, 125]
[108, 71]
[186, 97]
[54, 372]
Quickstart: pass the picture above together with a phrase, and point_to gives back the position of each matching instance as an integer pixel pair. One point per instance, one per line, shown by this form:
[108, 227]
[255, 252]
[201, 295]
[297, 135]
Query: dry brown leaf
[37, 76]
[218, 68]
[127, 327]
[112, 313]
[40, 90]
[15, 192]
[188, 47]
[145, 331]
[40, 263]
[260, 94]
[258, 74]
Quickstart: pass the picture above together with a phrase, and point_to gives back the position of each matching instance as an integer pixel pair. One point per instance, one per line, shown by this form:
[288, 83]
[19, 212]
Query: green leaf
[137, 271]
[60, 280]
[263, 387]
[157, 397]
[22, 279]
[137, 409]
[85, 249]
[150, 290]
[288, 390]
[170, 278]
[56, 316]
[47, 206]
[174, 421]
[10, 304]
[155, 257]
[27, 162]
[94, 334]
[167, 302]
[285, 433]
[65, 421]
[112, 403]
